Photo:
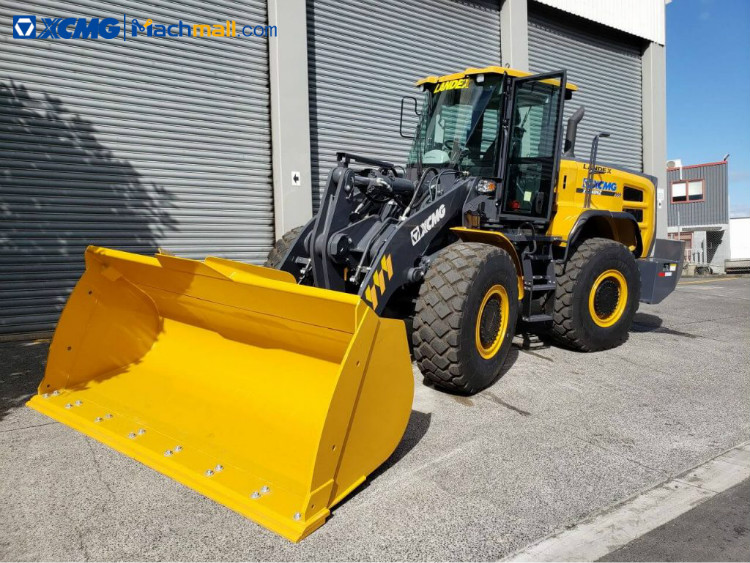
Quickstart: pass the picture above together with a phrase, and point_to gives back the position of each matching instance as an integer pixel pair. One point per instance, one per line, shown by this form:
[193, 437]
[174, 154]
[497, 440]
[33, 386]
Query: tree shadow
[60, 191]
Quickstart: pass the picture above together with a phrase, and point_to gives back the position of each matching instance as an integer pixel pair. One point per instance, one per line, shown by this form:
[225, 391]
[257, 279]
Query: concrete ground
[561, 435]
[718, 530]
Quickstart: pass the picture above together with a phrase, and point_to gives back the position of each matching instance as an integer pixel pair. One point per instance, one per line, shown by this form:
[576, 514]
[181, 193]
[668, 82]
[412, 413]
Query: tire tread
[564, 329]
[439, 313]
[281, 247]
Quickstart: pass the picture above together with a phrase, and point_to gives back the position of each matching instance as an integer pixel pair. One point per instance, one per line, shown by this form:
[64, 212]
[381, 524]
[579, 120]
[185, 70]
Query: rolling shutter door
[607, 70]
[365, 56]
[137, 144]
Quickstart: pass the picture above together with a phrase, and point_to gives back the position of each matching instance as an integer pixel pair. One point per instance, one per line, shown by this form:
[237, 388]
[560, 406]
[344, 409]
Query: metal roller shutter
[137, 144]
[607, 69]
[364, 57]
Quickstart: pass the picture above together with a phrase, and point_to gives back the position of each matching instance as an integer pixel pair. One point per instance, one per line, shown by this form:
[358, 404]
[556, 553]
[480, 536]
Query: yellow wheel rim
[608, 298]
[492, 322]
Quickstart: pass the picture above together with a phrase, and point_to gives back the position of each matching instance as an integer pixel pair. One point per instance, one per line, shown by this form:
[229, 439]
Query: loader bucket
[274, 399]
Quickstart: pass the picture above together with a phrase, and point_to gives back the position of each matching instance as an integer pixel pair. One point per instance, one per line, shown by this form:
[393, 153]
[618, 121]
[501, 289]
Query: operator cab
[497, 125]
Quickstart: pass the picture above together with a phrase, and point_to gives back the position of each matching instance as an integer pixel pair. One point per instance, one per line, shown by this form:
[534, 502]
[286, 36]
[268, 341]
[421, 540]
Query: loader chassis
[486, 169]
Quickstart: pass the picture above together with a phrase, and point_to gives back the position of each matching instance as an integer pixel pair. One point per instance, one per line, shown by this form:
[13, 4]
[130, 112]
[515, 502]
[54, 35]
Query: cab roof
[487, 70]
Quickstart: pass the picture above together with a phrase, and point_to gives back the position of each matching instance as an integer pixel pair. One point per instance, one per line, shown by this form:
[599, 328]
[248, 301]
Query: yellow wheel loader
[276, 390]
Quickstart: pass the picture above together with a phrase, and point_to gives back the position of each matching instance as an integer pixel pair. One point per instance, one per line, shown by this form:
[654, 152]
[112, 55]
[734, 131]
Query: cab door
[532, 148]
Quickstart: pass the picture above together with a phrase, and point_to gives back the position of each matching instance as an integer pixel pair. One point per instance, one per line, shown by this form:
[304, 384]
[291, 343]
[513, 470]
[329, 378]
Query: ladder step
[536, 318]
[543, 287]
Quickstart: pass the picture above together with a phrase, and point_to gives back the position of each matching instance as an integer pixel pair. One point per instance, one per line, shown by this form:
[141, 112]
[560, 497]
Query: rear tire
[597, 296]
[281, 247]
[466, 317]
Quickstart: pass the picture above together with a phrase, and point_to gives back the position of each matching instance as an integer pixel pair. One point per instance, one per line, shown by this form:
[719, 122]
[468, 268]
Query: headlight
[485, 186]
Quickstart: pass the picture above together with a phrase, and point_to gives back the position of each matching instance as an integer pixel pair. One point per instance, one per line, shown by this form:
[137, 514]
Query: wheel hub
[606, 298]
[492, 322]
[489, 324]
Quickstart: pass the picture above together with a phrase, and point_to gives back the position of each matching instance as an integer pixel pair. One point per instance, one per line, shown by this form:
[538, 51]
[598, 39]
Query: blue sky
[708, 88]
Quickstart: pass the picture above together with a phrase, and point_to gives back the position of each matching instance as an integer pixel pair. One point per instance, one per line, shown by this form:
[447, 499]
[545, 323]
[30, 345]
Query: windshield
[459, 127]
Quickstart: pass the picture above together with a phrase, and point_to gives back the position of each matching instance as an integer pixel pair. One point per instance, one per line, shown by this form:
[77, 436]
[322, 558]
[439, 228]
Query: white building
[739, 254]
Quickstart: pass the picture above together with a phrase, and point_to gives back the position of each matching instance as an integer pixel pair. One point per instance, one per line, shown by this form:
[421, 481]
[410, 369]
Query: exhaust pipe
[570, 132]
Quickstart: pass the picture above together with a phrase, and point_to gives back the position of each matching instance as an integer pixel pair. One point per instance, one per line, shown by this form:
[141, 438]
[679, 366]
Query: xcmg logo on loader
[421, 230]
[599, 187]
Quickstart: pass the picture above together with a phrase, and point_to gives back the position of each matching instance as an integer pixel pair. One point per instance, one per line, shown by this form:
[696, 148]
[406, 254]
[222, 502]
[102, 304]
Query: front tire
[466, 317]
[281, 247]
[597, 296]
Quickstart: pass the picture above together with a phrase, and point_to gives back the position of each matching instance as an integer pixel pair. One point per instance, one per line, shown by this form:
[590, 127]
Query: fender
[494, 238]
[619, 226]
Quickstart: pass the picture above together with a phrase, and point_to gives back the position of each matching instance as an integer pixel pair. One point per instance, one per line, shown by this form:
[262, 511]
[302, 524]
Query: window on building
[685, 191]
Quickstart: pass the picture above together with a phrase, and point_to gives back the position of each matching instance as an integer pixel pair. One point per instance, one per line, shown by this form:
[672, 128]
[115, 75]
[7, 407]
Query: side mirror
[401, 118]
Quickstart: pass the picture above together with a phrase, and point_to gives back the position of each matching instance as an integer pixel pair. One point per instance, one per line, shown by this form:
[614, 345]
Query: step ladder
[538, 284]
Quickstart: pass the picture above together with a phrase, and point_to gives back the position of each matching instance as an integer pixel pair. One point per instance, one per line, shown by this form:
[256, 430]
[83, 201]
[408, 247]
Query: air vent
[632, 194]
[637, 213]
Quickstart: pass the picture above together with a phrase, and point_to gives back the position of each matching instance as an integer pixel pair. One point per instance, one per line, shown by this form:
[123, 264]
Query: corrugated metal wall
[607, 69]
[714, 209]
[133, 145]
[364, 56]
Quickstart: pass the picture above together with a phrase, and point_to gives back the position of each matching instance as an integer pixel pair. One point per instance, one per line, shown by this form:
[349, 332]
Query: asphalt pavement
[560, 436]
[717, 530]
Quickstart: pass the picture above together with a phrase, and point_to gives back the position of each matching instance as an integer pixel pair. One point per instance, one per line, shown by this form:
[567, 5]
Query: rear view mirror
[416, 111]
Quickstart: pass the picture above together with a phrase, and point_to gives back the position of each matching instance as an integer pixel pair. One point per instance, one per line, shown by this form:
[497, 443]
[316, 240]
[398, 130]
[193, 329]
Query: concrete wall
[708, 246]
[290, 117]
[719, 245]
[514, 33]
[654, 68]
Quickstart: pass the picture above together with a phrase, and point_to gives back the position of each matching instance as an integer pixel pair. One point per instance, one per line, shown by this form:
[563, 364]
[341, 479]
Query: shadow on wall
[713, 242]
[60, 191]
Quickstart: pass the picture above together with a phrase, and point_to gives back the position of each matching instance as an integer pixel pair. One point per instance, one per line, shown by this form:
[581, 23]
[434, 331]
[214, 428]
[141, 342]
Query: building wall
[739, 229]
[714, 209]
[357, 78]
[135, 145]
[642, 18]
[702, 246]
[139, 146]
[606, 67]
[719, 248]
